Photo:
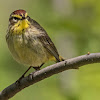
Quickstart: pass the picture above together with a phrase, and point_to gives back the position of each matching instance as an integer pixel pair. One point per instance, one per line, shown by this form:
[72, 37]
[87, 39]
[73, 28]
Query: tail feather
[60, 59]
[57, 59]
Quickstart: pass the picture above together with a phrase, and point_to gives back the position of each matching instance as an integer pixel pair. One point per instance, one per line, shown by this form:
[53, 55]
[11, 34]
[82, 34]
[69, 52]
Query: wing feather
[45, 40]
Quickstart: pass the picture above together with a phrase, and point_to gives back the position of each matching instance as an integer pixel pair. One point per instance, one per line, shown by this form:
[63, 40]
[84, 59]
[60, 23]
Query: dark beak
[23, 18]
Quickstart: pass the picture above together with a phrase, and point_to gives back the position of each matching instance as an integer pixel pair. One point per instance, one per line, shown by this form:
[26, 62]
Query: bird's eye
[15, 19]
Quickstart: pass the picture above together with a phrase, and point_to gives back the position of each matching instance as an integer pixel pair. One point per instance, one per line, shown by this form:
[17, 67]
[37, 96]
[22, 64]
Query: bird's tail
[57, 59]
[61, 58]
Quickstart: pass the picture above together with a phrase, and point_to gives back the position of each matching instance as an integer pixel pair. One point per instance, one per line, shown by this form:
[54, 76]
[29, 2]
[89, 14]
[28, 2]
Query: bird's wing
[49, 45]
[45, 40]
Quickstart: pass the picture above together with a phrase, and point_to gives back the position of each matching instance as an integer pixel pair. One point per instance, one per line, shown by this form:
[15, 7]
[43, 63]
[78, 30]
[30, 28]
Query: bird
[28, 41]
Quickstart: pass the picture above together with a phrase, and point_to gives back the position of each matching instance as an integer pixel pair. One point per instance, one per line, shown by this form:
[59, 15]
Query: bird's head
[19, 21]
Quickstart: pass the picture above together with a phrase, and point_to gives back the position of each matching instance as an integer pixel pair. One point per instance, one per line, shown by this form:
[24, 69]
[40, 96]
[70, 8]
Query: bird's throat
[20, 26]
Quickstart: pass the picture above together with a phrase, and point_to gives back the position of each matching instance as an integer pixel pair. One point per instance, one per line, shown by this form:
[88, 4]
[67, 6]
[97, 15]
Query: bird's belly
[29, 57]
[26, 55]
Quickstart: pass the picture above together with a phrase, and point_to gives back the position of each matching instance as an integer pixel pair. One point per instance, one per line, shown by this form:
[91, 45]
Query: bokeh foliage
[73, 23]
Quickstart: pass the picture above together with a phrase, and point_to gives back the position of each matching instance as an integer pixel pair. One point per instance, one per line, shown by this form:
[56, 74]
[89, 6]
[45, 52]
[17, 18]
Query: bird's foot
[18, 81]
[31, 75]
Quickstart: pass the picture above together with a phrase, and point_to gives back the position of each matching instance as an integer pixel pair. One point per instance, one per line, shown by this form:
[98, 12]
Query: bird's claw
[31, 75]
[18, 81]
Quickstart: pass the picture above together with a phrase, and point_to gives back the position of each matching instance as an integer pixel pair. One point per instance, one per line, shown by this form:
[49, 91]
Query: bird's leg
[41, 65]
[23, 75]
[36, 69]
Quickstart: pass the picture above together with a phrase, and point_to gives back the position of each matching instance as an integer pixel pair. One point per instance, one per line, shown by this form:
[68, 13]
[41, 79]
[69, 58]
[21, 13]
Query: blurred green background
[74, 27]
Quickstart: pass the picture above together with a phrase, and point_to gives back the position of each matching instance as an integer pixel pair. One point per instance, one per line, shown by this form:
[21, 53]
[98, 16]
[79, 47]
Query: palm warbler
[28, 42]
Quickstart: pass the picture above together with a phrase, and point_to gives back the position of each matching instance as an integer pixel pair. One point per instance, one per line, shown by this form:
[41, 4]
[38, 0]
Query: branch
[73, 63]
